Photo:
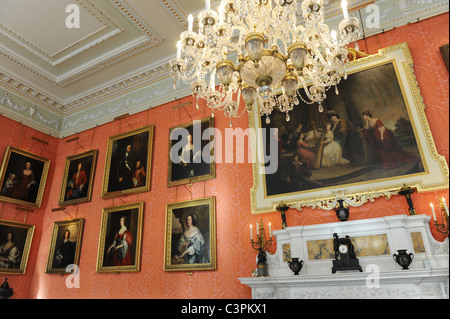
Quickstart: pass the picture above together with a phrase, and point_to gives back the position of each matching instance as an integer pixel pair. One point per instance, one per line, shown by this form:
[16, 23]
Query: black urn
[342, 212]
[295, 265]
[403, 258]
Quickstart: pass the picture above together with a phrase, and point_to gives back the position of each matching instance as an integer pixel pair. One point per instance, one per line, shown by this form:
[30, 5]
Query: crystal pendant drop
[174, 85]
[267, 120]
[336, 90]
[197, 106]
[288, 118]
[320, 108]
[231, 124]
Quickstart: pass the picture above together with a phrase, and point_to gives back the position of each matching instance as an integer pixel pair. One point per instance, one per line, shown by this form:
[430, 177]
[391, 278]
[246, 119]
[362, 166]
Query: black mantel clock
[344, 252]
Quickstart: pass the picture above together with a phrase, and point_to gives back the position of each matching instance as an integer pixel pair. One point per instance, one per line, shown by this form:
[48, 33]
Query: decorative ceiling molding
[151, 85]
[148, 38]
[26, 91]
[32, 112]
[176, 13]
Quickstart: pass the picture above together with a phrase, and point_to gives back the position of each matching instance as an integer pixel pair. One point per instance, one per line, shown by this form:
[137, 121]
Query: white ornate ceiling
[63, 80]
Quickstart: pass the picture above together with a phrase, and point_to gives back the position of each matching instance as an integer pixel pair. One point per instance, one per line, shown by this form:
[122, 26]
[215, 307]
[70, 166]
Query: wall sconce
[441, 227]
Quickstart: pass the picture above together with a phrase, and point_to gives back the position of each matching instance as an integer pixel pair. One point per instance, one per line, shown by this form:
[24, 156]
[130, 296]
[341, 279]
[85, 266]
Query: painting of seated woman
[22, 178]
[120, 238]
[15, 242]
[190, 235]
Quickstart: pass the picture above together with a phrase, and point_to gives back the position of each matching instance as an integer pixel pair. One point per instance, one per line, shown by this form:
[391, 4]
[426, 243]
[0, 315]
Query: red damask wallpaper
[235, 257]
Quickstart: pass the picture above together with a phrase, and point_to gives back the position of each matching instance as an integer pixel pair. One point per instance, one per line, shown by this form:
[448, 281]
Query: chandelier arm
[305, 87]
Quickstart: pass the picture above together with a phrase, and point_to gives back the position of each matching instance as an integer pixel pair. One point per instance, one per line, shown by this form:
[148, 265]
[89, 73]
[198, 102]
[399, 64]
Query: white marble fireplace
[375, 241]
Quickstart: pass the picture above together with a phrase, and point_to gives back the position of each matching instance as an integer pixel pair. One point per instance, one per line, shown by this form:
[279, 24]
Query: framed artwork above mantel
[371, 138]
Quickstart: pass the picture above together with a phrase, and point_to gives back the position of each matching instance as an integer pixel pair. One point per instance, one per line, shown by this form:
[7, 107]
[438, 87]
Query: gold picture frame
[124, 151]
[65, 245]
[119, 248]
[428, 173]
[77, 184]
[15, 244]
[190, 236]
[22, 177]
[187, 169]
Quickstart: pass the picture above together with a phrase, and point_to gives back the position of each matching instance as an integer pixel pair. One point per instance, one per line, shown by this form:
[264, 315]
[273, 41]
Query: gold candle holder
[442, 227]
[261, 244]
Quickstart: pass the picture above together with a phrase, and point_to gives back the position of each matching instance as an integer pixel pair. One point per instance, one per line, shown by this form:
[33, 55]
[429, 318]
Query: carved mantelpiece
[376, 240]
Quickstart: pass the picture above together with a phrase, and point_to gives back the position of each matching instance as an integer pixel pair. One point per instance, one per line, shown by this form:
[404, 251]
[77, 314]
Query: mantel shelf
[375, 240]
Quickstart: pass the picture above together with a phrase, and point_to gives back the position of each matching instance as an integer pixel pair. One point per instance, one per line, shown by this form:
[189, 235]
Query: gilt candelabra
[261, 244]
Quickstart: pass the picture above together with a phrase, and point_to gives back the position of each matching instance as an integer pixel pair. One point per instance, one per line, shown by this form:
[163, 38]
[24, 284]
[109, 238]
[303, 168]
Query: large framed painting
[119, 248]
[128, 163]
[191, 148]
[15, 243]
[22, 177]
[65, 245]
[371, 139]
[190, 240]
[78, 178]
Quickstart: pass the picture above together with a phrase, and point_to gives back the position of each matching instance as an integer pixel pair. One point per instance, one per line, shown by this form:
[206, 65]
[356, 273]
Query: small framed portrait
[65, 246]
[128, 163]
[15, 243]
[190, 242]
[191, 153]
[119, 247]
[78, 178]
[22, 177]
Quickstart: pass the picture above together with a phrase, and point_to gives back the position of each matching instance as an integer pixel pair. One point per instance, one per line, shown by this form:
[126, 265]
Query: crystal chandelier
[270, 49]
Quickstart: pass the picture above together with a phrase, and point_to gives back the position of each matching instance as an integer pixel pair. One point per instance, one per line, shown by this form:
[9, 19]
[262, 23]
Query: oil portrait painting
[128, 163]
[23, 177]
[15, 244]
[65, 245]
[119, 247]
[190, 242]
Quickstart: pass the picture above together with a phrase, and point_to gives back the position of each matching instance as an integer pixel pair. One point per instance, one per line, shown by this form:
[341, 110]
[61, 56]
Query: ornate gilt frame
[102, 244]
[26, 250]
[212, 265]
[56, 225]
[111, 140]
[42, 182]
[69, 159]
[435, 177]
[212, 166]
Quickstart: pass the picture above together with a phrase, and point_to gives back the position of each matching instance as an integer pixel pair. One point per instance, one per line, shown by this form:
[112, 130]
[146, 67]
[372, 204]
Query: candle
[445, 205]
[221, 14]
[208, 4]
[257, 229]
[191, 23]
[270, 230]
[251, 232]
[344, 9]
[178, 49]
[434, 214]
[333, 35]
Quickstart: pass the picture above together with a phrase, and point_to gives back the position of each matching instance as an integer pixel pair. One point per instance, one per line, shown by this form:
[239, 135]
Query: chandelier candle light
[272, 50]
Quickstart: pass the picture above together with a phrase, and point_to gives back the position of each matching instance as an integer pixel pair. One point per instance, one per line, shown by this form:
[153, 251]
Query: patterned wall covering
[231, 187]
